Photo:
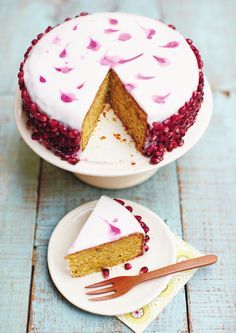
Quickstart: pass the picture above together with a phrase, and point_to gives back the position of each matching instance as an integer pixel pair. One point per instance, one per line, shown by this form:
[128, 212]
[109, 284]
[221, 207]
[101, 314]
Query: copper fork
[122, 284]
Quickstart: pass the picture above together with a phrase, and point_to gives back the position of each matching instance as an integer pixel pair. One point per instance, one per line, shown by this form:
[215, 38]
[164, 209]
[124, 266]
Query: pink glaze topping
[63, 69]
[93, 45]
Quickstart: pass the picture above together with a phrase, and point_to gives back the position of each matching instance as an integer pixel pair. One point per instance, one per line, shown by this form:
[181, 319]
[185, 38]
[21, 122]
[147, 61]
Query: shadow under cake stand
[110, 159]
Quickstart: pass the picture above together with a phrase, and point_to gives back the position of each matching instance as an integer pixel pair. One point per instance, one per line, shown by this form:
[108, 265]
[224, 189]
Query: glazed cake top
[66, 67]
[108, 222]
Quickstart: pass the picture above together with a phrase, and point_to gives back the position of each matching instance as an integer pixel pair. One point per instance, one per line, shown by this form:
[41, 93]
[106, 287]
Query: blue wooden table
[196, 195]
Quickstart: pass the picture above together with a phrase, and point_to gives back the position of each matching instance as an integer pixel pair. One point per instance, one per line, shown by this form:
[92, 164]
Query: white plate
[161, 252]
[111, 157]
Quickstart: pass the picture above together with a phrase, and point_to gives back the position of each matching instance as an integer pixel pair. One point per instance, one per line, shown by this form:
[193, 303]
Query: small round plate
[161, 252]
[111, 151]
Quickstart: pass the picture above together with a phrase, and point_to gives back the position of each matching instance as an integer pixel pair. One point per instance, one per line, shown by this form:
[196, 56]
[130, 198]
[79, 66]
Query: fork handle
[179, 267]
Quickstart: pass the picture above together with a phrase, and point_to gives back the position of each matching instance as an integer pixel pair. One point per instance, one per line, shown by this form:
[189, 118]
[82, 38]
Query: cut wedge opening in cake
[113, 92]
[110, 236]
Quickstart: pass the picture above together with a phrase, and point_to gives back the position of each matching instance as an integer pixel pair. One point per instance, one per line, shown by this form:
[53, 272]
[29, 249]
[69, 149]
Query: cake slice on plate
[110, 236]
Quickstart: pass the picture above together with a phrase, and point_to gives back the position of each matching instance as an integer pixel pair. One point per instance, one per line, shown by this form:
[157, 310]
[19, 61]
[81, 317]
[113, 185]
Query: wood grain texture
[206, 178]
[19, 169]
[211, 25]
[208, 195]
[54, 203]
[207, 173]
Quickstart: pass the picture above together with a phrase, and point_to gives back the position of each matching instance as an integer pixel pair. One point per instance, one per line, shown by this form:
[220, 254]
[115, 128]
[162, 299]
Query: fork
[122, 284]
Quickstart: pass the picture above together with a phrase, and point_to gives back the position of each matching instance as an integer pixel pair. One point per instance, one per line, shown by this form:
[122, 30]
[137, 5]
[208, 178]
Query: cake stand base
[115, 183]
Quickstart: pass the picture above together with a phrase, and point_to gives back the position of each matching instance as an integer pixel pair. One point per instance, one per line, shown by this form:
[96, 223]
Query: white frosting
[108, 221]
[161, 77]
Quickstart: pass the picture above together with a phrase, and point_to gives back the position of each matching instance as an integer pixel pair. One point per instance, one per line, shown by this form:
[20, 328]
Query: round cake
[148, 72]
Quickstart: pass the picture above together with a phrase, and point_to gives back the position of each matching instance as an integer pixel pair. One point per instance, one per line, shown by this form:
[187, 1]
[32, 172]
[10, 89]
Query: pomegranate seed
[147, 238]
[143, 225]
[146, 229]
[48, 29]
[73, 134]
[180, 143]
[35, 136]
[120, 201]
[33, 107]
[53, 123]
[171, 26]
[129, 208]
[166, 129]
[83, 14]
[154, 160]
[138, 217]
[127, 266]
[146, 248]
[105, 273]
[42, 118]
[73, 160]
[143, 270]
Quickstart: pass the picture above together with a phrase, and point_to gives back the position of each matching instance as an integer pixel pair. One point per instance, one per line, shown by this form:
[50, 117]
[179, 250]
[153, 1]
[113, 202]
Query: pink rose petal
[56, 40]
[123, 61]
[93, 45]
[129, 86]
[171, 44]
[63, 53]
[64, 69]
[160, 99]
[144, 77]
[114, 232]
[149, 33]
[67, 97]
[124, 36]
[162, 61]
[110, 31]
[113, 21]
[42, 79]
[114, 60]
[80, 86]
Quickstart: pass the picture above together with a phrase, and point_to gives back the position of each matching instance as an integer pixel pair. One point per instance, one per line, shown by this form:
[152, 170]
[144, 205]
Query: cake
[110, 236]
[147, 71]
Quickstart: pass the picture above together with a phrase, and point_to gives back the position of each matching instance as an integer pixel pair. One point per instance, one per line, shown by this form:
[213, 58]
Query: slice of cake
[110, 236]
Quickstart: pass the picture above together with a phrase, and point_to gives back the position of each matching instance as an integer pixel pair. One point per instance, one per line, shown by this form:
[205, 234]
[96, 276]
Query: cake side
[97, 107]
[106, 255]
[128, 111]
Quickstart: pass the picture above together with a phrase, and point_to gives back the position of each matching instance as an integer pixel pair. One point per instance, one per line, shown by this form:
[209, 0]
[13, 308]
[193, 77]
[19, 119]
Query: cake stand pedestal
[111, 161]
[115, 183]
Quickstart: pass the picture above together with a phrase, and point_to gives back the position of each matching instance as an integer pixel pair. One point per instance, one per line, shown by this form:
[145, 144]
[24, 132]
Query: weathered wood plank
[208, 196]
[19, 169]
[211, 26]
[61, 192]
[22, 21]
[207, 173]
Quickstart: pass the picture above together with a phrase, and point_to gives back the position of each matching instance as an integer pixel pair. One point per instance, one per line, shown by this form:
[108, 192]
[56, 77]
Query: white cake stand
[110, 160]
